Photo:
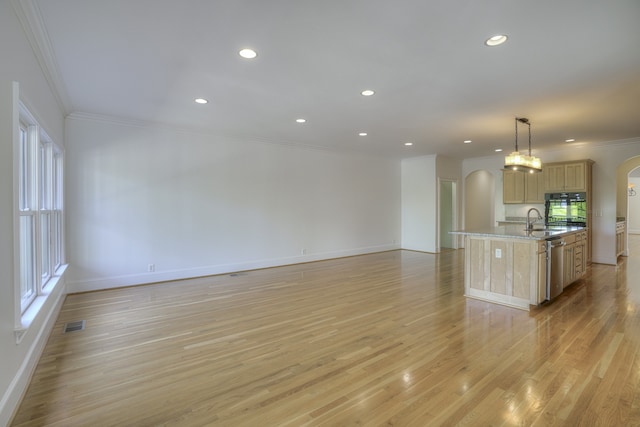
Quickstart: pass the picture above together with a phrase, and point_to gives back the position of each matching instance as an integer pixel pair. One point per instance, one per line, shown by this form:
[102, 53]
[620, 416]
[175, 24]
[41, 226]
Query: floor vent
[73, 326]
[237, 274]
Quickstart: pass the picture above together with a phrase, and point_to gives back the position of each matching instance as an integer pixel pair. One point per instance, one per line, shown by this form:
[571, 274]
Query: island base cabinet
[620, 233]
[505, 271]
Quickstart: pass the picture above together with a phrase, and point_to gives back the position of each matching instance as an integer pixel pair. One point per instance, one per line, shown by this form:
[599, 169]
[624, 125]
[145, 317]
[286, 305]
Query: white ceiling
[571, 66]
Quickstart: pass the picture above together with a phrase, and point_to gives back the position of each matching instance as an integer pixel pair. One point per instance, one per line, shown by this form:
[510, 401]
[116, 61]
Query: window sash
[28, 283]
[23, 198]
[45, 247]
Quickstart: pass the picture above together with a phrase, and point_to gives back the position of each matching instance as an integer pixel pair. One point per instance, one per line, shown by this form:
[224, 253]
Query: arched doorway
[479, 195]
[622, 197]
[633, 202]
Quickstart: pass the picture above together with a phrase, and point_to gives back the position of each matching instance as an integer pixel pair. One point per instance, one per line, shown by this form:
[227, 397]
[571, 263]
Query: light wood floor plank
[380, 339]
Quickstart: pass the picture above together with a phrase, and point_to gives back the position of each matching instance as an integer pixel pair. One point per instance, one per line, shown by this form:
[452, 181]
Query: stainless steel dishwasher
[555, 267]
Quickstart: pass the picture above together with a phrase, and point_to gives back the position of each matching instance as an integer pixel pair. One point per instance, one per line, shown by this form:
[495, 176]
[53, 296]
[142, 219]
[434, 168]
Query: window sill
[35, 309]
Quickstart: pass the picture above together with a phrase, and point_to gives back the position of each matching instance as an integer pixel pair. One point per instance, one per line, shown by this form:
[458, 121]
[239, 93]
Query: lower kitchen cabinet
[569, 264]
[574, 257]
[580, 254]
[542, 272]
[620, 232]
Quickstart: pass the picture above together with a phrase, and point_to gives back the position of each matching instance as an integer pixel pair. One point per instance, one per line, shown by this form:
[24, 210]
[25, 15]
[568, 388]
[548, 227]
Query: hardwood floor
[381, 339]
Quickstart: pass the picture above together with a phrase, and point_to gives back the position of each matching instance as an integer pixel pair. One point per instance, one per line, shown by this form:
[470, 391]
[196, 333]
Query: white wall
[419, 210]
[194, 204]
[447, 214]
[633, 220]
[479, 197]
[607, 157]
[18, 64]
[420, 205]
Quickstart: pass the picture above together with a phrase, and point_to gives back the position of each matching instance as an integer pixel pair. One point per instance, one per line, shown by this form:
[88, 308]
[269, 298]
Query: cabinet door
[512, 187]
[574, 177]
[619, 243]
[553, 178]
[569, 265]
[579, 260]
[542, 276]
[534, 188]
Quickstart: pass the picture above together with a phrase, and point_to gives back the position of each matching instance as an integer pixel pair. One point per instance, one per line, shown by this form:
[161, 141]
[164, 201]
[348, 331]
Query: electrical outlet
[151, 268]
[498, 253]
[303, 251]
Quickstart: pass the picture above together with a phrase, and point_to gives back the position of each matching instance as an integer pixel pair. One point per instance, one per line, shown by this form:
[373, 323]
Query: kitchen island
[508, 264]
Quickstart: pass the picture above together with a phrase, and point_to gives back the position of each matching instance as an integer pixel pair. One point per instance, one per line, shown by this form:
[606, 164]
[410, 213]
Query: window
[40, 205]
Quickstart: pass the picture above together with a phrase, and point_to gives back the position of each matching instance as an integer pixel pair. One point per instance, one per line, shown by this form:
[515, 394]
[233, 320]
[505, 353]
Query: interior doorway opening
[447, 214]
[633, 208]
[628, 172]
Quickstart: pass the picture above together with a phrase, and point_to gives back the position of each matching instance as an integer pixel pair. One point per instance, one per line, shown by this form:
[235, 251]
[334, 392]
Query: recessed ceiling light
[497, 150]
[570, 140]
[201, 101]
[248, 53]
[301, 120]
[362, 134]
[468, 141]
[408, 144]
[496, 40]
[367, 92]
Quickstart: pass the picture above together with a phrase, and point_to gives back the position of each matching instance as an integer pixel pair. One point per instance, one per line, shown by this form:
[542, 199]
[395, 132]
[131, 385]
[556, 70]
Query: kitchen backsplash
[516, 212]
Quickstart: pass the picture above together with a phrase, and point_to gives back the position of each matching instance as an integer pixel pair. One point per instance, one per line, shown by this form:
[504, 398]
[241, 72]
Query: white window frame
[39, 199]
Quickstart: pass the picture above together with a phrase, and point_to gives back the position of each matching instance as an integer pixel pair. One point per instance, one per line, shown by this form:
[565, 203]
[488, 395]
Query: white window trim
[23, 318]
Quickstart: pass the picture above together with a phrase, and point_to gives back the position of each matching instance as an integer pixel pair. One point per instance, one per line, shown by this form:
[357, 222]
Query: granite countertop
[518, 231]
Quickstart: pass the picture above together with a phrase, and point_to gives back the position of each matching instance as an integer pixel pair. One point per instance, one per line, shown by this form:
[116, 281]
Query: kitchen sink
[550, 233]
[541, 233]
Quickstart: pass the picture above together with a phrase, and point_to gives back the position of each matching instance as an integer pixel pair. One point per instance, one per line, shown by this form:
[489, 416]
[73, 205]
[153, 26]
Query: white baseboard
[163, 276]
[18, 386]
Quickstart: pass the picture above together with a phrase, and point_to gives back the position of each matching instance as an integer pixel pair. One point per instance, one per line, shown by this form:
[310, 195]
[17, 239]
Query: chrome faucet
[529, 223]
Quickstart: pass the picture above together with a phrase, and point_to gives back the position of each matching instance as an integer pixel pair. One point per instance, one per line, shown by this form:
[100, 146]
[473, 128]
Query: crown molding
[30, 18]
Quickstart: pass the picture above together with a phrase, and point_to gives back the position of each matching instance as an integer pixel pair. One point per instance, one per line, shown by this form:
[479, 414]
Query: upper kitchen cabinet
[534, 183]
[522, 187]
[567, 176]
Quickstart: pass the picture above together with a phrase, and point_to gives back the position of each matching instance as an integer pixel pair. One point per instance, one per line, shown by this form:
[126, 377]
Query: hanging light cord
[517, 134]
[526, 122]
[529, 124]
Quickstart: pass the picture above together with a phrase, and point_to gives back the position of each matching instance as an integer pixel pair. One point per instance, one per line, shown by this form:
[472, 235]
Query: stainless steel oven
[565, 209]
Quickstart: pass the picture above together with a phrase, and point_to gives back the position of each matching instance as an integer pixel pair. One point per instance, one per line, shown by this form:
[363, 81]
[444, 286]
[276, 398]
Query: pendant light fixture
[522, 162]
